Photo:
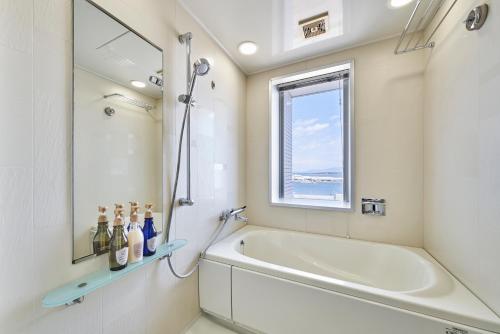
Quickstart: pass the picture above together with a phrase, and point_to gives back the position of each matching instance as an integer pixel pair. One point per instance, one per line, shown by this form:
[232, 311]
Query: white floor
[206, 326]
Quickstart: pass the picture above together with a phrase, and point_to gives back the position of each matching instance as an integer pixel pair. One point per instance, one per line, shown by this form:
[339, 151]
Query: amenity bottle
[122, 214]
[135, 238]
[118, 252]
[133, 206]
[102, 238]
[149, 231]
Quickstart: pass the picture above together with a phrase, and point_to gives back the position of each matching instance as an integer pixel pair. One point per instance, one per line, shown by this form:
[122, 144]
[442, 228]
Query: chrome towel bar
[131, 101]
[413, 36]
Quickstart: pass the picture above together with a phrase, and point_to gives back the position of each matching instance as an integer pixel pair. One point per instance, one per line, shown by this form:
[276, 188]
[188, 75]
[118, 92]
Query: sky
[317, 132]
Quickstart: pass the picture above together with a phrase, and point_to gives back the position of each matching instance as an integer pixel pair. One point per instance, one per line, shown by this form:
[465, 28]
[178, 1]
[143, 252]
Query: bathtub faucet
[236, 213]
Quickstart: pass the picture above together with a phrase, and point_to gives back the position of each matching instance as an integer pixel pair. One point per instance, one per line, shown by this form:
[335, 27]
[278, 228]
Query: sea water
[317, 187]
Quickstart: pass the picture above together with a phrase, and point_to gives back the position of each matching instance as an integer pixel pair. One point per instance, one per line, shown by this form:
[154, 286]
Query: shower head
[201, 66]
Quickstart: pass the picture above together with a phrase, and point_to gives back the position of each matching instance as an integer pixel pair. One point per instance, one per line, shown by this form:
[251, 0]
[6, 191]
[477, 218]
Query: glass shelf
[74, 292]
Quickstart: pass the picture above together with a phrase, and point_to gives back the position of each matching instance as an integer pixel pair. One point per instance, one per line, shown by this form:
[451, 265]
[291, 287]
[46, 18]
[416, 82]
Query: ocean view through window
[313, 135]
[317, 143]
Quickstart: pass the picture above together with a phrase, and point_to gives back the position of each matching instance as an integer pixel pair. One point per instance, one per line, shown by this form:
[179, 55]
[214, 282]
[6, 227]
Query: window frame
[276, 196]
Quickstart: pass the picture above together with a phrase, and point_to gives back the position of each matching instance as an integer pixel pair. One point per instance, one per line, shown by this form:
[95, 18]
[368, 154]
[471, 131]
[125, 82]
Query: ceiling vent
[314, 25]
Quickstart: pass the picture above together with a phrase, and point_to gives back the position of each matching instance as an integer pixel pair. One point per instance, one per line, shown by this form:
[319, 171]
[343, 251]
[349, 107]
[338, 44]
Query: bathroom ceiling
[272, 24]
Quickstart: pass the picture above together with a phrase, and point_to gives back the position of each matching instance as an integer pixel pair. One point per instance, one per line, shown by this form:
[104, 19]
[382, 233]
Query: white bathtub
[305, 273]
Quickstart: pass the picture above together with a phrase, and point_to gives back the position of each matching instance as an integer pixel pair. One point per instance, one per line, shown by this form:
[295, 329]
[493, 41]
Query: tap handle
[238, 210]
[240, 218]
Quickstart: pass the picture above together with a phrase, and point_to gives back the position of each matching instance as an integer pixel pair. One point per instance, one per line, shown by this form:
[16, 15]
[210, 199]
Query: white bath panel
[277, 306]
[215, 288]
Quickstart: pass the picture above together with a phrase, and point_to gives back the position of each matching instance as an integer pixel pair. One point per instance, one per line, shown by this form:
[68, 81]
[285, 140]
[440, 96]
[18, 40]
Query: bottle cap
[119, 207]
[134, 217]
[133, 204]
[149, 212]
[118, 217]
[102, 215]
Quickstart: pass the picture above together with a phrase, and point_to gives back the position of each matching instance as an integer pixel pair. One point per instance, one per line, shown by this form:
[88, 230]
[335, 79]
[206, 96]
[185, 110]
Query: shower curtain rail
[413, 36]
[148, 107]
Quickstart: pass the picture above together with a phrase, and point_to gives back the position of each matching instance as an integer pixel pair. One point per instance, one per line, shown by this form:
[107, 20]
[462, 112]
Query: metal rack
[131, 101]
[413, 36]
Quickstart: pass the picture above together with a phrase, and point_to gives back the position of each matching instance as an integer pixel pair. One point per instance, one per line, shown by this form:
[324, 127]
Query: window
[311, 139]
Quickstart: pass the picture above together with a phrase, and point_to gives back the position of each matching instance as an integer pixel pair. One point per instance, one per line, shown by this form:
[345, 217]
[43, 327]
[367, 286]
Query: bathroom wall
[117, 158]
[462, 159]
[388, 111]
[35, 170]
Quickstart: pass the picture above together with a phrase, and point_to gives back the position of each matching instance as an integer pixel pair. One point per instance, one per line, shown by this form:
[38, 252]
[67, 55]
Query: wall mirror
[117, 123]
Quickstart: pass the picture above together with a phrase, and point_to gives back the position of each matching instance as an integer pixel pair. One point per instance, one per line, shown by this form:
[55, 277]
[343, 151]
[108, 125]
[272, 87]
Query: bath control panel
[372, 206]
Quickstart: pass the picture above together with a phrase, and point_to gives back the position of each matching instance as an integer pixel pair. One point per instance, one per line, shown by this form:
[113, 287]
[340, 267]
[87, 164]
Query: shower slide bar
[186, 39]
[412, 36]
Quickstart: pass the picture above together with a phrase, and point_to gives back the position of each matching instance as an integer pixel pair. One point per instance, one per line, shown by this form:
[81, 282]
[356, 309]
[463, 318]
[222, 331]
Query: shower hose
[172, 203]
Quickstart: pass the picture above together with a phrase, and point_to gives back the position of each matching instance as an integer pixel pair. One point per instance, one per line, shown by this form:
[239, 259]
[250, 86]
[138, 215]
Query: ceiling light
[399, 3]
[247, 48]
[138, 84]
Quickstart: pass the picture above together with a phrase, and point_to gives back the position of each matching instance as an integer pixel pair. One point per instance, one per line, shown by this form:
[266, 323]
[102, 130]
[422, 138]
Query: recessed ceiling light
[138, 84]
[247, 48]
[399, 3]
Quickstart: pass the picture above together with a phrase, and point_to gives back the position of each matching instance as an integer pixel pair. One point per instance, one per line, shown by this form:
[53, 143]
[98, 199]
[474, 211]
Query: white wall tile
[329, 223]
[17, 266]
[173, 308]
[52, 130]
[36, 188]
[55, 17]
[82, 318]
[489, 160]
[217, 173]
[125, 304]
[388, 148]
[16, 94]
[16, 24]
[461, 151]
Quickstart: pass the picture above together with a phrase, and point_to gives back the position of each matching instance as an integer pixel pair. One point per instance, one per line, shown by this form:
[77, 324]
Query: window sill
[316, 204]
